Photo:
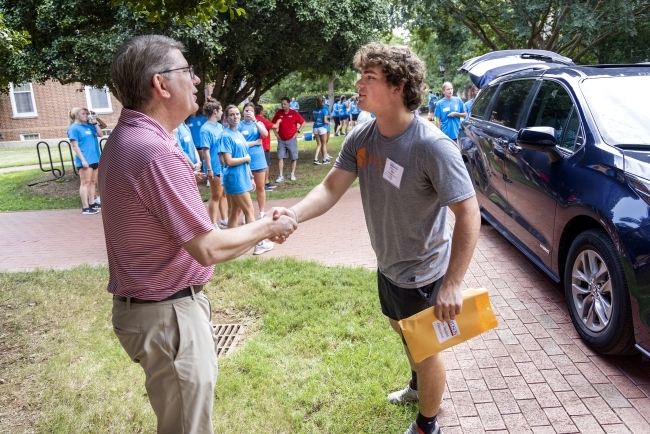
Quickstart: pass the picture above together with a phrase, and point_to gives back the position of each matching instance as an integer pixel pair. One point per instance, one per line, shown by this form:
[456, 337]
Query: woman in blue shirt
[335, 115]
[343, 116]
[83, 133]
[321, 116]
[210, 132]
[236, 176]
[354, 111]
[253, 131]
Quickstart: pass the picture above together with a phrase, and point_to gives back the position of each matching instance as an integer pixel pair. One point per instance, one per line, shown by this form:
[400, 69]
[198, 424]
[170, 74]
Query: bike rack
[56, 172]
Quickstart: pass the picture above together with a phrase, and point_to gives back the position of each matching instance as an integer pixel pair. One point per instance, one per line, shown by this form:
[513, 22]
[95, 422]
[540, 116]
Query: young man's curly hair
[400, 65]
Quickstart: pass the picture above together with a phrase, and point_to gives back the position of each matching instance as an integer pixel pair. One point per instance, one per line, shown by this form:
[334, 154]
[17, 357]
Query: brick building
[40, 111]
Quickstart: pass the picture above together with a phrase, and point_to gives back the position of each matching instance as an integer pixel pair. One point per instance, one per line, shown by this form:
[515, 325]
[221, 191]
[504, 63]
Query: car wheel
[597, 295]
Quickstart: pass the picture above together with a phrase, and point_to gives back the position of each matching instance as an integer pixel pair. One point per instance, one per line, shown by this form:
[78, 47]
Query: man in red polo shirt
[287, 135]
[160, 241]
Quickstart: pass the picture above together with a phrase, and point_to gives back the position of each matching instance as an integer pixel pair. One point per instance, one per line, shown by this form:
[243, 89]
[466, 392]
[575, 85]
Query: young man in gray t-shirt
[409, 173]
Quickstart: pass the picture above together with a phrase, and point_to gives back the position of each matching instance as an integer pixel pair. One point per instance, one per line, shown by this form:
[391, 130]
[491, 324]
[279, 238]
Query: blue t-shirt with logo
[184, 139]
[318, 114]
[343, 109]
[449, 126]
[294, 105]
[194, 124]
[251, 133]
[210, 134]
[336, 109]
[354, 108]
[235, 179]
[86, 137]
[432, 99]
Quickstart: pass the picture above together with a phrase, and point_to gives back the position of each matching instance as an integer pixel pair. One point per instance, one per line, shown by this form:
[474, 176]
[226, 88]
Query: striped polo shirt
[150, 205]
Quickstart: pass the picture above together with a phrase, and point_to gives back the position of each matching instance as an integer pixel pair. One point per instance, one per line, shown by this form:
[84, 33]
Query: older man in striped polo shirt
[161, 244]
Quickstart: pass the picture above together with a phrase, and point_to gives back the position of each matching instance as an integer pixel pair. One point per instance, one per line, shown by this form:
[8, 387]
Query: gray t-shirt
[407, 224]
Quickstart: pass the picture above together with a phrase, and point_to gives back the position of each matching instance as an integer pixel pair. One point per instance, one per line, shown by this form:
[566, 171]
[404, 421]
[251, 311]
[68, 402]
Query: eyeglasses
[190, 69]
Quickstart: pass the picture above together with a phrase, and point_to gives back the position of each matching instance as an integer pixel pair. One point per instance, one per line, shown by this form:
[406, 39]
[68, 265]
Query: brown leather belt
[180, 294]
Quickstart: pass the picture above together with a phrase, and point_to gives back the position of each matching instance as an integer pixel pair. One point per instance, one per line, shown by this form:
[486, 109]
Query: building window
[34, 136]
[22, 101]
[99, 100]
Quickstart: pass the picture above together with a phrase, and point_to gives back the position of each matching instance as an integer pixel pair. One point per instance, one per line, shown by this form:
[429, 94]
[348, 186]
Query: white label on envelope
[446, 330]
[393, 172]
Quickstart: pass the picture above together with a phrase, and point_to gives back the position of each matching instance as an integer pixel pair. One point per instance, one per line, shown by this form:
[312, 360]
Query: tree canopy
[73, 40]
[446, 32]
[276, 38]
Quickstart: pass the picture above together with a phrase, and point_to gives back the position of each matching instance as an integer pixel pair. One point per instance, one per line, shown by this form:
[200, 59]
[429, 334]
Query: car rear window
[482, 101]
[510, 102]
[620, 107]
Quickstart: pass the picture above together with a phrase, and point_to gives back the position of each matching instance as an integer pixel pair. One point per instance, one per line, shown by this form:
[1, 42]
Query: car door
[500, 133]
[476, 142]
[533, 180]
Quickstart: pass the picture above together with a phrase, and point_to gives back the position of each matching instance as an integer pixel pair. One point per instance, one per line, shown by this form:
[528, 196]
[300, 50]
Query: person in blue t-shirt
[335, 115]
[210, 133]
[237, 176]
[83, 133]
[186, 144]
[449, 112]
[321, 116]
[253, 131]
[354, 111]
[194, 123]
[344, 116]
[433, 99]
[472, 94]
[293, 105]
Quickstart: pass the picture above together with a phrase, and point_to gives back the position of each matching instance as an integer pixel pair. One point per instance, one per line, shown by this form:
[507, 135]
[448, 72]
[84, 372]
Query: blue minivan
[559, 155]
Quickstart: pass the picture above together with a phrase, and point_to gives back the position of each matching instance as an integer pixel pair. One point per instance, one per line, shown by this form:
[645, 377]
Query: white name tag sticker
[88, 132]
[445, 331]
[245, 132]
[446, 109]
[186, 138]
[393, 172]
[238, 141]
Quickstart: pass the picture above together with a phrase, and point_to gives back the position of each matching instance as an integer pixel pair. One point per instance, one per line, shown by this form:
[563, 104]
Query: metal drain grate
[227, 336]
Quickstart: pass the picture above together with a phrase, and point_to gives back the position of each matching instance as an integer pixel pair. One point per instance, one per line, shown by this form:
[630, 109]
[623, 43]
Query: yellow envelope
[425, 335]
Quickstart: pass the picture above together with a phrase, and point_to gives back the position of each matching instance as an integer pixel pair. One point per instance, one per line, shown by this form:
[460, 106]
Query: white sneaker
[292, 177]
[261, 215]
[279, 179]
[98, 201]
[216, 226]
[403, 396]
[262, 247]
[223, 223]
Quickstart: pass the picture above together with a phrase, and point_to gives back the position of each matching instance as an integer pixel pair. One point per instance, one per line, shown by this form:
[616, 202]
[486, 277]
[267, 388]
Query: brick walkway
[530, 375]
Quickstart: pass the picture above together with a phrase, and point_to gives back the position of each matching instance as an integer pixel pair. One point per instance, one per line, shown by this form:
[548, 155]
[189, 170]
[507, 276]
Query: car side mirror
[540, 139]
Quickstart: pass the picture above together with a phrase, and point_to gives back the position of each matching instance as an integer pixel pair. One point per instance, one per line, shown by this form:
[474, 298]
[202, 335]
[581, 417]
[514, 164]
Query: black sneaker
[269, 187]
[317, 162]
[89, 210]
[95, 206]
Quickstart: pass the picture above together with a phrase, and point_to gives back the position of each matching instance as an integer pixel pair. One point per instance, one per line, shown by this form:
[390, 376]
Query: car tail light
[640, 185]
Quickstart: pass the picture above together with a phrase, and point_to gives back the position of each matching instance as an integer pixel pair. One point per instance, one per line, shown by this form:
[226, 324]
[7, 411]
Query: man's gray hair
[134, 65]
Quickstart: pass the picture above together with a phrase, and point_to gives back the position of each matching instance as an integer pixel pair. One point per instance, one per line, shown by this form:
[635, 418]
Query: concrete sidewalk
[531, 375]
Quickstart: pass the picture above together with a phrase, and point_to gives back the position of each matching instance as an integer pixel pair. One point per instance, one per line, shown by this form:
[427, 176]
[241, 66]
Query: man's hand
[281, 225]
[449, 302]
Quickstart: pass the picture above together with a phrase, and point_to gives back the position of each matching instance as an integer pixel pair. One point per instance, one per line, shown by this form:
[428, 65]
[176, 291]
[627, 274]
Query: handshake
[281, 222]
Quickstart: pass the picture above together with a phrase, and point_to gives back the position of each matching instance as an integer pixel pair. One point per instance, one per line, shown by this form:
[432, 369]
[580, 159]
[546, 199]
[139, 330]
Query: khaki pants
[174, 343]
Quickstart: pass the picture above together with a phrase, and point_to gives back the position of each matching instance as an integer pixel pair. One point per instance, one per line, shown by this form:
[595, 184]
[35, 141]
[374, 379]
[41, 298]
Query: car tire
[597, 296]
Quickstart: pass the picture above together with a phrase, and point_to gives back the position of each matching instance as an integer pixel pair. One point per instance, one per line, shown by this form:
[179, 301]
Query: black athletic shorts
[398, 303]
[93, 166]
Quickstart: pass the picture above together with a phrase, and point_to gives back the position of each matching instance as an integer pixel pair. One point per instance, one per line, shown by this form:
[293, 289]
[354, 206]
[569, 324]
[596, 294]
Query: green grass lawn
[17, 195]
[12, 157]
[318, 357]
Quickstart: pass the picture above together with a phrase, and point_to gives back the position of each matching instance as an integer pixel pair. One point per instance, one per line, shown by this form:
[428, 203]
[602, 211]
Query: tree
[275, 38]
[574, 28]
